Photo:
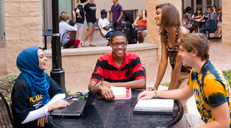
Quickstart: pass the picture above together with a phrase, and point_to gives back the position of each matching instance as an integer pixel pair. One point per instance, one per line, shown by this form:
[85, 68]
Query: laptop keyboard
[74, 107]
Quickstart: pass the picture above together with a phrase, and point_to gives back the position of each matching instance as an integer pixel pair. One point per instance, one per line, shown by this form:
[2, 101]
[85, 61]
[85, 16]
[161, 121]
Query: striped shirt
[130, 69]
[211, 89]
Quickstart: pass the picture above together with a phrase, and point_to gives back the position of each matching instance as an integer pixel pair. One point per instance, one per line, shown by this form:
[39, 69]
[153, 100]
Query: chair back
[68, 35]
[5, 115]
[97, 21]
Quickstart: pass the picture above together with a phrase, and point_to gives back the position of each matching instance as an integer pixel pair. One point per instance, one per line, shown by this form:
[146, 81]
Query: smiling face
[158, 16]
[119, 46]
[185, 56]
[42, 59]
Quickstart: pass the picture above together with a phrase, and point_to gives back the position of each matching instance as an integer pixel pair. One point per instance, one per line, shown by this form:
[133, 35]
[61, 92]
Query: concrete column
[226, 18]
[23, 25]
[152, 30]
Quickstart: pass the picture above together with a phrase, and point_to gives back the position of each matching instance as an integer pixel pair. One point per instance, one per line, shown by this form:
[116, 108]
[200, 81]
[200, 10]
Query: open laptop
[76, 107]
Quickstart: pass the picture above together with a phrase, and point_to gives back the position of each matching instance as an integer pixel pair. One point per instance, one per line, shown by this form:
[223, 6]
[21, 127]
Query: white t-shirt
[102, 23]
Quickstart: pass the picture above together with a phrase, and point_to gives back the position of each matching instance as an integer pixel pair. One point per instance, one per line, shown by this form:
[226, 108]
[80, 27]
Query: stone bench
[84, 59]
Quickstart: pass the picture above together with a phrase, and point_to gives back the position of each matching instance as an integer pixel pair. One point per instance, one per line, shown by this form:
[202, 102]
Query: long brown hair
[169, 17]
[141, 19]
[217, 15]
[196, 41]
[198, 8]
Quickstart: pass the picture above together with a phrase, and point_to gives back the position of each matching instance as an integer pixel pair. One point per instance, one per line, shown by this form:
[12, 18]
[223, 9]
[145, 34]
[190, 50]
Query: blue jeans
[91, 23]
[206, 28]
[109, 33]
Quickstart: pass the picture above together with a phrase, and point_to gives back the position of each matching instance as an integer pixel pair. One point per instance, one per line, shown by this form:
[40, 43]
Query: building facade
[203, 4]
[134, 6]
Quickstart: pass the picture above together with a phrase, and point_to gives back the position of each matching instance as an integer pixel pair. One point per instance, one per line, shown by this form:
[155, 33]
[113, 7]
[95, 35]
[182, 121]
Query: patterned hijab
[36, 78]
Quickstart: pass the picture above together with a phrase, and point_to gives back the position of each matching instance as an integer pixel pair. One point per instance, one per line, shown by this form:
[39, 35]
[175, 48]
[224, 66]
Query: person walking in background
[34, 93]
[168, 19]
[90, 9]
[207, 83]
[141, 21]
[218, 17]
[65, 27]
[78, 15]
[186, 18]
[128, 18]
[116, 13]
[212, 25]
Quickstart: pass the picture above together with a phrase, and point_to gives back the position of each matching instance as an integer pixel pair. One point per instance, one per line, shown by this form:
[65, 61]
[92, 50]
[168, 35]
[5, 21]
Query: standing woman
[168, 19]
[90, 9]
[34, 92]
[78, 14]
[141, 21]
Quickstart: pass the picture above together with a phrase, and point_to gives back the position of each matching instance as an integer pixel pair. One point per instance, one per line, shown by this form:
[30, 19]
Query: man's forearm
[141, 83]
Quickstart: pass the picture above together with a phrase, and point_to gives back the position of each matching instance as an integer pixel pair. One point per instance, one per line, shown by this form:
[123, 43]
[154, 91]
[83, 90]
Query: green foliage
[6, 84]
[165, 84]
[228, 76]
[68, 91]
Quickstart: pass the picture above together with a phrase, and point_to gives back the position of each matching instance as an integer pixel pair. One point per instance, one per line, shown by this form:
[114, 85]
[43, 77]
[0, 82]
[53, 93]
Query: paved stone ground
[78, 81]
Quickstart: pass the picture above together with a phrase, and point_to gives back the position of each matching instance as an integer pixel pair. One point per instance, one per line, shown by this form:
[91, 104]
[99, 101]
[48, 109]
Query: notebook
[76, 107]
[154, 106]
[121, 93]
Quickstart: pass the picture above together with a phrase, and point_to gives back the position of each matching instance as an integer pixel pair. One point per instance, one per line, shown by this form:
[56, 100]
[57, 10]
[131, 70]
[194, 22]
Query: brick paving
[78, 81]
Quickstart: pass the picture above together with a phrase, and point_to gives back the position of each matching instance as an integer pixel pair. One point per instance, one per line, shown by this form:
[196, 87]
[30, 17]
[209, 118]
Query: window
[2, 25]
[65, 6]
[134, 13]
[47, 11]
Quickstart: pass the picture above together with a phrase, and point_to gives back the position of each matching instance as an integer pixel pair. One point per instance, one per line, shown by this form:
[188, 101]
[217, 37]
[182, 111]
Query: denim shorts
[80, 25]
[91, 23]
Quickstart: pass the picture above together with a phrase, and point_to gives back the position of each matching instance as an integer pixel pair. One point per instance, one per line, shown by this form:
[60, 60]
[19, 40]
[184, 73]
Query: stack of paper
[121, 92]
[154, 106]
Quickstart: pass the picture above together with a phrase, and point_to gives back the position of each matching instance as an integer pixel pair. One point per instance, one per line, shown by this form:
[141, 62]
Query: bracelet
[155, 91]
[155, 88]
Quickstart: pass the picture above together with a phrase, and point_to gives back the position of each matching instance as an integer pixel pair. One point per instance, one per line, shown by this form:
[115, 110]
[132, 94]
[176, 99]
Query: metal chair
[107, 38]
[6, 120]
[68, 34]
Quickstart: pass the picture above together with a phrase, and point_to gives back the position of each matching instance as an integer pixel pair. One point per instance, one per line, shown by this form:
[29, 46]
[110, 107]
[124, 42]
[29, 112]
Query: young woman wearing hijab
[168, 19]
[34, 92]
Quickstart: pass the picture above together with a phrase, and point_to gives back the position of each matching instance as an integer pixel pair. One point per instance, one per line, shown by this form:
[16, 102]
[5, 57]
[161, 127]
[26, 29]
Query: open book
[154, 106]
[121, 93]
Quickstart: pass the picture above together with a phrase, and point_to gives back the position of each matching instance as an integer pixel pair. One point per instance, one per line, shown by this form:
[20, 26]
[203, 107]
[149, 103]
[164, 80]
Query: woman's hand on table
[146, 95]
[58, 104]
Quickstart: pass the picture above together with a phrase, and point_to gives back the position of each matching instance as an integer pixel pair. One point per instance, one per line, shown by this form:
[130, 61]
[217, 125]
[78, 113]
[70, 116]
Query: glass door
[65, 5]
[2, 25]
